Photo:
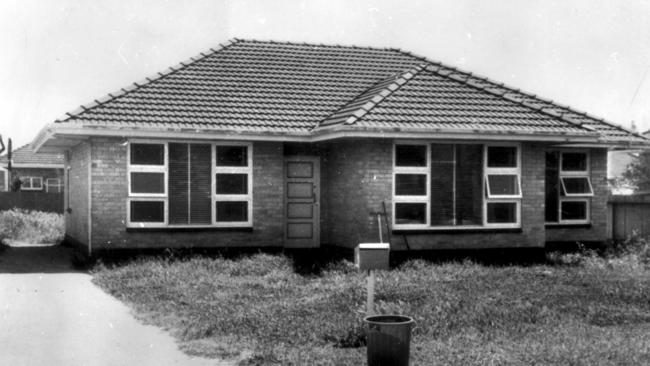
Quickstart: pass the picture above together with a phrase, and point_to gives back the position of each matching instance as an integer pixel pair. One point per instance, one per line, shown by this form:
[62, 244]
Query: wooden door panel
[302, 210]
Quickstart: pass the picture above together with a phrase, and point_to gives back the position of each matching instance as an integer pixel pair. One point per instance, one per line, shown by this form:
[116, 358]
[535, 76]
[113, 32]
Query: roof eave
[60, 131]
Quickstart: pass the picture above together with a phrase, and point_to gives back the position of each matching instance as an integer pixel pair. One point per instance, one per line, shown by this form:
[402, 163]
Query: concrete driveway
[53, 315]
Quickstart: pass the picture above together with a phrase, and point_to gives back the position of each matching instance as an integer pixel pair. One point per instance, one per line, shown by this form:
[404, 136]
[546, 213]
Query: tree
[638, 172]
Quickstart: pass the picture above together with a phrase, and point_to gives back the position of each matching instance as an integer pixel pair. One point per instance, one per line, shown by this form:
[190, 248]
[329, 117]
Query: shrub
[31, 226]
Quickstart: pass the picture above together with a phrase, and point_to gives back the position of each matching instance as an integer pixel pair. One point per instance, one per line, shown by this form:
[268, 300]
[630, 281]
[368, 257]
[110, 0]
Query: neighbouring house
[42, 172]
[268, 144]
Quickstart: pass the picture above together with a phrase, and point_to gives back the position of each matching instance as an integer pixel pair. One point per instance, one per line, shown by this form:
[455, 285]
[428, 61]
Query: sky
[59, 54]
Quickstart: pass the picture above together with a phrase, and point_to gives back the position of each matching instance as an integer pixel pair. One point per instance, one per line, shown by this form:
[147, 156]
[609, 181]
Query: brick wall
[360, 178]
[597, 231]
[76, 197]
[109, 190]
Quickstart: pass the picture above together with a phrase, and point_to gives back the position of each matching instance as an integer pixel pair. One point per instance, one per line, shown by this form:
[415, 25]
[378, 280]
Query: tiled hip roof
[287, 88]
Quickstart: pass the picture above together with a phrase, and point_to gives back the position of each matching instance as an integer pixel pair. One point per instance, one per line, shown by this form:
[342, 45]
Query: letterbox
[371, 256]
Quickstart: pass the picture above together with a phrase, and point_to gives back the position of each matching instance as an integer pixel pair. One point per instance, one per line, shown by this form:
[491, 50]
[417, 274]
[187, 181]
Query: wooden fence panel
[629, 214]
[40, 201]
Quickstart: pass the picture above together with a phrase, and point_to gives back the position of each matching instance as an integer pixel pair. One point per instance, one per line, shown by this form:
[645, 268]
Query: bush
[31, 226]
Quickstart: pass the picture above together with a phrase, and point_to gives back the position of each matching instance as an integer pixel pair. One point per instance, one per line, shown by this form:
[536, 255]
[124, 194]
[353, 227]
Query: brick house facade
[247, 156]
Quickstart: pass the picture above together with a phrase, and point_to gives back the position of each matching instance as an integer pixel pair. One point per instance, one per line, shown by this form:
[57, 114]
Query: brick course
[597, 231]
[360, 178]
[110, 193]
[356, 176]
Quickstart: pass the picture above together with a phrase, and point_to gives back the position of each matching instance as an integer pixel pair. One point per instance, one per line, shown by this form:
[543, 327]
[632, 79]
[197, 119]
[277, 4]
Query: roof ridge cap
[333, 45]
[400, 79]
[146, 81]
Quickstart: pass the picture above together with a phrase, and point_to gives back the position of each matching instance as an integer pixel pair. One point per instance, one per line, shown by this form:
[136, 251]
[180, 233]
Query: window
[568, 187]
[147, 177]
[502, 185]
[190, 184]
[456, 185]
[411, 174]
[53, 185]
[233, 172]
[31, 183]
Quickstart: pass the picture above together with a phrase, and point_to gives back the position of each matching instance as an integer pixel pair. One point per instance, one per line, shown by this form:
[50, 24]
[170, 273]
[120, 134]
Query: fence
[628, 214]
[41, 201]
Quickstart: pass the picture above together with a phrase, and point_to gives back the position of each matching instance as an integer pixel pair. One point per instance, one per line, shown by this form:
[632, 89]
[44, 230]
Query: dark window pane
[178, 179]
[410, 155]
[410, 213]
[147, 154]
[232, 184]
[552, 186]
[574, 210]
[574, 162]
[410, 185]
[232, 156]
[232, 211]
[442, 152]
[469, 184]
[502, 157]
[576, 185]
[501, 212]
[503, 185]
[147, 182]
[200, 184]
[442, 184]
[147, 211]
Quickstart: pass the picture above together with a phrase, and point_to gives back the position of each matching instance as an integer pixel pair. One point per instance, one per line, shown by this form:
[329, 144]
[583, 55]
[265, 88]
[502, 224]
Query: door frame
[317, 204]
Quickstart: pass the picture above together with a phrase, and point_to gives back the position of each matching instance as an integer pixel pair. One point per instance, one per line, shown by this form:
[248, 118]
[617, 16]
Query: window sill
[459, 231]
[568, 226]
[183, 229]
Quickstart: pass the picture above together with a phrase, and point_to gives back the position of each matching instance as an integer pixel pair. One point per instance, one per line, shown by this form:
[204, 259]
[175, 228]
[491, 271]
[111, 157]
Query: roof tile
[258, 86]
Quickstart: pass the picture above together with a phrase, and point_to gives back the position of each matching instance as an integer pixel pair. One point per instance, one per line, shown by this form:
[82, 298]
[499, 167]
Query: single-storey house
[276, 144]
[37, 172]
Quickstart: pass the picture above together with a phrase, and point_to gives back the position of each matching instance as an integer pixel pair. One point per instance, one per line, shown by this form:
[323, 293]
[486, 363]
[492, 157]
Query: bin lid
[384, 246]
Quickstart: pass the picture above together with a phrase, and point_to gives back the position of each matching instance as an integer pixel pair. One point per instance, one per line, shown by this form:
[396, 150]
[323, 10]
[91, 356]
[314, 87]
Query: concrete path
[52, 315]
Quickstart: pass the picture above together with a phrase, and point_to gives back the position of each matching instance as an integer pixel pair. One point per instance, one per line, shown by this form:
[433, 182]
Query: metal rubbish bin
[389, 339]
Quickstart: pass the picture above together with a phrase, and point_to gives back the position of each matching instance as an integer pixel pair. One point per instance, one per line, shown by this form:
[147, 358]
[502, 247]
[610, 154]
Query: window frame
[31, 183]
[489, 198]
[149, 197]
[248, 197]
[571, 198]
[397, 199]
[58, 185]
[427, 198]
[566, 194]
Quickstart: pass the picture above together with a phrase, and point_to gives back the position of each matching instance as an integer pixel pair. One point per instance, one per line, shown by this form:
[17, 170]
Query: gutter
[52, 131]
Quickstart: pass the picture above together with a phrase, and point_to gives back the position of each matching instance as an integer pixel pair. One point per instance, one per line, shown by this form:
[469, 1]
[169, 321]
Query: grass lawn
[257, 308]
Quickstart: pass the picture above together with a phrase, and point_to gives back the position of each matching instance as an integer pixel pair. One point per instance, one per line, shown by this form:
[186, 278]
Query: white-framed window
[502, 185]
[53, 185]
[568, 187]
[190, 184]
[411, 168]
[147, 183]
[456, 185]
[233, 184]
[31, 183]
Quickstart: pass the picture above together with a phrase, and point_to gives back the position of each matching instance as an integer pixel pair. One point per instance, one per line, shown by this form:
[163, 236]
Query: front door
[302, 195]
